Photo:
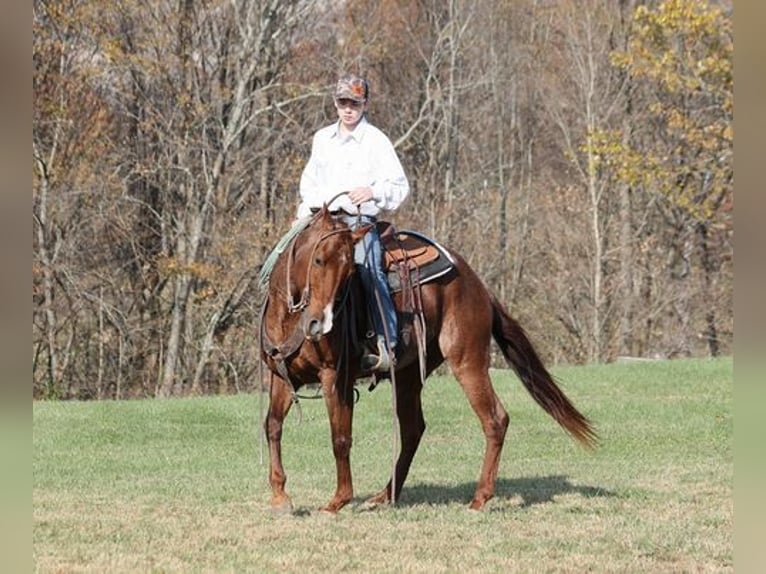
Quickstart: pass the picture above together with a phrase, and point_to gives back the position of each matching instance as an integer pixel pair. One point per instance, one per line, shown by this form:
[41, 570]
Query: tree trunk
[709, 269]
[46, 254]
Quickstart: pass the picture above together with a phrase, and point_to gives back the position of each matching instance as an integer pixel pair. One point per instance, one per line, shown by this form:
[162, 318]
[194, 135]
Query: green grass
[177, 486]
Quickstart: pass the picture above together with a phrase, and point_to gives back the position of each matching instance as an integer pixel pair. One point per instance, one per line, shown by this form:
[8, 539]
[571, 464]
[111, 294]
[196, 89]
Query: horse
[307, 332]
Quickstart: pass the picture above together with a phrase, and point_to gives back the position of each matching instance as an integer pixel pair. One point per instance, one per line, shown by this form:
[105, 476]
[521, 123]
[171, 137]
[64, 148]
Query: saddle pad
[415, 251]
[420, 253]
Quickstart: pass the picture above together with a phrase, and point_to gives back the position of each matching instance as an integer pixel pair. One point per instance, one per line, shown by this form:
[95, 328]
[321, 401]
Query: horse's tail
[522, 357]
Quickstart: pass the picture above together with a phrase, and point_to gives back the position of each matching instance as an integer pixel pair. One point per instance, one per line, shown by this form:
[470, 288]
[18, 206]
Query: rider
[353, 155]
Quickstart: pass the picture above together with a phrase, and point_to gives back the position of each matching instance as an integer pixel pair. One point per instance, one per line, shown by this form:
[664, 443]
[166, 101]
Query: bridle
[293, 307]
[303, 302]
[281, 352]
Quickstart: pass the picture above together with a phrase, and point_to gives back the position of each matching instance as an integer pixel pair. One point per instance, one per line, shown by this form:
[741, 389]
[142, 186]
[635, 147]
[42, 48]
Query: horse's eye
[318, 261]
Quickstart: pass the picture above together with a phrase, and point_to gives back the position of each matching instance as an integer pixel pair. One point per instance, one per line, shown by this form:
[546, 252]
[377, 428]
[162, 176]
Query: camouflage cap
[351, 87]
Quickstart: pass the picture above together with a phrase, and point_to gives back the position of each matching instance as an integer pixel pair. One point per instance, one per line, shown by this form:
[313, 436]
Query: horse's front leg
[339, 398]
[280, 400]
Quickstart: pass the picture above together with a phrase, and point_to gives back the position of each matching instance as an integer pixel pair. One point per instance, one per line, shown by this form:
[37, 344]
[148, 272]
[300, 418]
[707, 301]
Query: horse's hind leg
[280, 400]
[494, 422]
[412, 425]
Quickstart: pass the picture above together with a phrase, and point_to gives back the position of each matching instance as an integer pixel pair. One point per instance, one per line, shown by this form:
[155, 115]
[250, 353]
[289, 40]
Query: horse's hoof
[372, 504]
[375, 502]
[476, 506]
[283, 509]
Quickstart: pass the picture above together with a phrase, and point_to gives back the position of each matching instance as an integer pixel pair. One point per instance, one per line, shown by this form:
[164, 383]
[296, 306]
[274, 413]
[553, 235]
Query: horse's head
[323, 262]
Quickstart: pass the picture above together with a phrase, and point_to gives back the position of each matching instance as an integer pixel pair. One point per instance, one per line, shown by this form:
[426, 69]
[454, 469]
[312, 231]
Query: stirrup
[379, 362]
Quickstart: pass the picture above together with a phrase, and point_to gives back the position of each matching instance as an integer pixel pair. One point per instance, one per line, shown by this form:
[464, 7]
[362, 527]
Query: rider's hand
[360, 195]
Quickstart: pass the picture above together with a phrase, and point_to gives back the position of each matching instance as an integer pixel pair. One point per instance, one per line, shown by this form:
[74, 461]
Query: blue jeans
[368, 254]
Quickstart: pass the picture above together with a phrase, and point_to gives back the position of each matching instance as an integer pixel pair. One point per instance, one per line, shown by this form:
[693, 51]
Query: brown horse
[306, 332]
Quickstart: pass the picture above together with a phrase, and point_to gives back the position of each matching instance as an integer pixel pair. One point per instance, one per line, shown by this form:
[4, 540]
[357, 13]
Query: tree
[583, 98]
[221, 78]
[71, 129]
[680, 54]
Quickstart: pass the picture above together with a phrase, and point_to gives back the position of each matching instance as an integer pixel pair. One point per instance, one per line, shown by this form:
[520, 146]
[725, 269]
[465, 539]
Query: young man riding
[354, 156]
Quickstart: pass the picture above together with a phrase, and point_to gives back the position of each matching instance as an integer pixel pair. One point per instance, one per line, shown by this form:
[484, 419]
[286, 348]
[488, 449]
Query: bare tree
[582, 98]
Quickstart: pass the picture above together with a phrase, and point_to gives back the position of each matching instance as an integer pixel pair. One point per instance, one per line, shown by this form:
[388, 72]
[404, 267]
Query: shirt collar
[358, 132]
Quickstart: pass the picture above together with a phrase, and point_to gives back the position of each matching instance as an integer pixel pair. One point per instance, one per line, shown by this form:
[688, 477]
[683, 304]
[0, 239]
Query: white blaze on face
[327, 314]
[327, 319]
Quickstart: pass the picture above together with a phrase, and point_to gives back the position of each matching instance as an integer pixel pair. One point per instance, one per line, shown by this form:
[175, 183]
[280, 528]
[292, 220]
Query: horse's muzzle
[314, 327]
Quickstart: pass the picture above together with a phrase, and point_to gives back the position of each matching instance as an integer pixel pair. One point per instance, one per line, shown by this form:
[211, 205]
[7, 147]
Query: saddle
[410, 258]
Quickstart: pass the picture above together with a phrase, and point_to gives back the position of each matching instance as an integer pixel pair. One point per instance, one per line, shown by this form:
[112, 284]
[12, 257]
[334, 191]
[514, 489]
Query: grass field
[177, 486]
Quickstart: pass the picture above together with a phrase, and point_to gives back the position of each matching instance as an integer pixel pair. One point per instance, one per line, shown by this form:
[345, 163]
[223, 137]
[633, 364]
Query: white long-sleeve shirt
[339, 163]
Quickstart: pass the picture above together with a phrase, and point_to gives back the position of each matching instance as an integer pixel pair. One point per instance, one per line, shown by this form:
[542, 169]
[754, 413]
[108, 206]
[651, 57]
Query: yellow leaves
[728, 132]
[170, 266]
[111, 49]
[204, 293]
[620, 161]
[683, 44]
[206, 274]
[692, 15]
[681, 50]
[659, 173]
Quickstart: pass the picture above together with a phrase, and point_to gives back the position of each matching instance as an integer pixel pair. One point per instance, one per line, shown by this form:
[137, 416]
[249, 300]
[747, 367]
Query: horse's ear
[323, 214]
[361, 231]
